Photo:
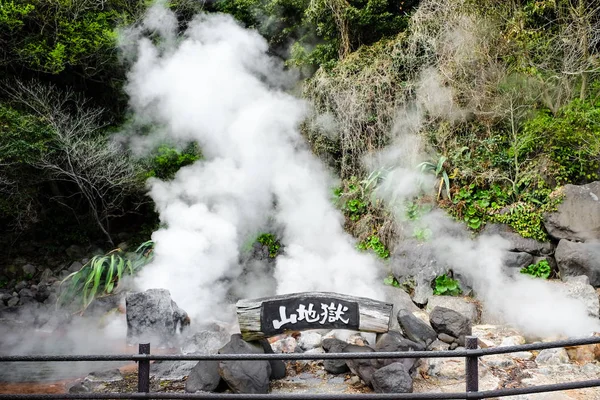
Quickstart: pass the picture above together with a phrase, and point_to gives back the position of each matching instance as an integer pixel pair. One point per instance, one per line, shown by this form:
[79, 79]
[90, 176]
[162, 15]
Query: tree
[92, 168]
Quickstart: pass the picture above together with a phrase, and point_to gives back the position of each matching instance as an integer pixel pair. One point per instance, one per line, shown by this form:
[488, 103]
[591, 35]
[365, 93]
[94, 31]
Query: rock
[400, 300]
[447, 338]
[42, 293]
[153, 317]
[75, 266]
[47, 276]
[277, 366]
[244, 376]
[171, 370]
[516, 260]
[576, 259]
[20, 286]
[13, 301]
[445, 320]
[309, 340]
[512, 341]
[203, 377]
[578, 215]
[392, 378]
[333, 345]
[415, 329]
[552, 357]
[365, 368]
[447, 367]
[4, 297]
[29, 269]
[461, 305]
[579, 288]
[517, 242]
[111, 375]
[78, 388]
[285, 345]
[392, 342]
[438, 345]
[205, 342]
[499, 361]
[416, 261]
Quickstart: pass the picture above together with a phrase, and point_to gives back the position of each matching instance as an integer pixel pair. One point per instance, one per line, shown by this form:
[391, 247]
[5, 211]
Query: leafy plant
[444, 285]
[270, 241]
[422, 234]
[438, 170]
[102, 274]
[373, 243]
[541, 269]
[391, 281]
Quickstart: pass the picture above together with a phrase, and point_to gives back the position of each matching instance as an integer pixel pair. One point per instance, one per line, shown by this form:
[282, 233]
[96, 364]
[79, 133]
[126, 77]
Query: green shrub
[102, 274]
[443, 285]
[373, 243]
[391, 281]
[166, 161]
[270, 241]
[539, 270]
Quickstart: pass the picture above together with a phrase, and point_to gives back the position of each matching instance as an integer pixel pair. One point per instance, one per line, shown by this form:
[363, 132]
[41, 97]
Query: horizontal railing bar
[305, 396]
[301, 356]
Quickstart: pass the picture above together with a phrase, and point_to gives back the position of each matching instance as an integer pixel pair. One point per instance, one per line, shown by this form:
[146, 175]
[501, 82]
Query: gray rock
[277, 366]
[447, 338]
[111, 375]
[171, 370]
[244, 376]
[309, 340]
[392, 379]
[42, 293]
[13, 301]
[47, 276]
[74, 251]
[578, 215]
[20, 286]
[78, 388]
[461, 305]
[415, 329]
[579, 288]
[205, 342]
[438, 345]
[333, 345]
[203, 377]
[4, 297]
[393, 341]
[365, 368]
[153, 317]
[552, 357]
[517, 242]
[445, 320]
[29, 269]
[26, 293]
[516, 260]
[576, 259]
[400, 300]
[75, 266]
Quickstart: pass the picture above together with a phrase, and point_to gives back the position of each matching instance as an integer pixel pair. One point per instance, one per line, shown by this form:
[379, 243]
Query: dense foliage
[498, 99]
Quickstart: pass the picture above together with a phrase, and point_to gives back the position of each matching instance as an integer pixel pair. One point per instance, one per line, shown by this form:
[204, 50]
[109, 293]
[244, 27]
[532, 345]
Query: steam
[217, 87]
[536, 307]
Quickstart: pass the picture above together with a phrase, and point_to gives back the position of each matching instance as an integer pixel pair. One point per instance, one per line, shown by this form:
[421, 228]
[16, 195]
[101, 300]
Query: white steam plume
[216, 86]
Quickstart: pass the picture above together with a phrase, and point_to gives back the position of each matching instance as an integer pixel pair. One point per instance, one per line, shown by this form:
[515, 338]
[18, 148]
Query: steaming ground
[217, 87]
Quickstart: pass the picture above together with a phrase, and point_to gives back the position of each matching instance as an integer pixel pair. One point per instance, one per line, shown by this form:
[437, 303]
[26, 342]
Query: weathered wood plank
[268, 316]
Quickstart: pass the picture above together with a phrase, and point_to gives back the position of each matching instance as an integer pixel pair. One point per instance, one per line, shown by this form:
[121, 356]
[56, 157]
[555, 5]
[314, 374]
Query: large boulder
[518, 243]
[415, 329]
[152, 316]
[462, 305]
[364, 368]
[513, 260]
[450, 322]
[393, 341]
[244, 376]
[204, 377]
[576, 259]
[392, 378]
[400, 300]
[333, 345]
[578, 215]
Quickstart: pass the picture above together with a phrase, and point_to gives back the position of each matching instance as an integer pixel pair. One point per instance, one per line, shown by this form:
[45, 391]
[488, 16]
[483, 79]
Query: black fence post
[144, 370]
[471, 365]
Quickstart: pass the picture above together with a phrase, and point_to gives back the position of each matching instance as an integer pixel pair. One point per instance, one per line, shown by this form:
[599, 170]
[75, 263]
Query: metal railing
[471, 355]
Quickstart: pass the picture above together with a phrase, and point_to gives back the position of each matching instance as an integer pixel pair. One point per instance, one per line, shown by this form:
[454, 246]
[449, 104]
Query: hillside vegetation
[504, 96]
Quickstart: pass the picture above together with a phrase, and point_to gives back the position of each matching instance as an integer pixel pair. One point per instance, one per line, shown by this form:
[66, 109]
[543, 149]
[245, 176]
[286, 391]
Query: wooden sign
[270, 316]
